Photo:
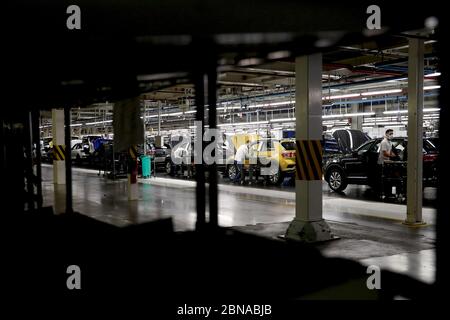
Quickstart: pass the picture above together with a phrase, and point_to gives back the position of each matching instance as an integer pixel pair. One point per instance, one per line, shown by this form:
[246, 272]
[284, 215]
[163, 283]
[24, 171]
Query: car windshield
[267, 144]
[364, 146]
[288, 145]
[432, 144]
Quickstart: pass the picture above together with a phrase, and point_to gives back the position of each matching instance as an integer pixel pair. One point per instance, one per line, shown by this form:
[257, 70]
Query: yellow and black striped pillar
[59, 152]
[308, 160]
[132, 151]
[58, 145]
[308, 224]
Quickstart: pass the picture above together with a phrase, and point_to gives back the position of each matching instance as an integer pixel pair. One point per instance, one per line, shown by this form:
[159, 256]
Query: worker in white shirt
[385, 154]
[239, 161]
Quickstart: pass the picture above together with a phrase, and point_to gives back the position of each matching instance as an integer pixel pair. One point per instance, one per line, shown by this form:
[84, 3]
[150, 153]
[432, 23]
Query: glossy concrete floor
[371, 232]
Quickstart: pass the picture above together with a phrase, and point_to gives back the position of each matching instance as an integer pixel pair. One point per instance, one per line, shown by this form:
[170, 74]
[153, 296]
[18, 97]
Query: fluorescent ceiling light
[434, 74]
[283, 120]
[371, 123]
[350, 95]
[223, 108]
[431, 118]
[406, 111]
[279, 55]
[395, 111]
[374, 93]
[272, 104]
[346, 115]
[334, 122]
[242, 123]
[173, 114]
[76, 124]
[431, 87]
[98, 122]
[193, 127]
[401, 79]
[249, 62]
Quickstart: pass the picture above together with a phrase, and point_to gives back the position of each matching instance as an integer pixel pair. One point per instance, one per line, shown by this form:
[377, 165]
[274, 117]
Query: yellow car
[279, 152]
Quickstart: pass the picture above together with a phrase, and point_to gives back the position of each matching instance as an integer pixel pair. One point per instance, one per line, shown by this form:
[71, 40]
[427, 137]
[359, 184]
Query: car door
[256, 150]
[75, 150]
[371, 158]
[160, 154]
[355, 163]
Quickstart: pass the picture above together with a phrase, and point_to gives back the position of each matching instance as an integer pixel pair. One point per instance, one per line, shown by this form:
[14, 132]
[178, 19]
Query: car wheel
[168, 167]
[232, 172]
[336, 180]
[277, 177]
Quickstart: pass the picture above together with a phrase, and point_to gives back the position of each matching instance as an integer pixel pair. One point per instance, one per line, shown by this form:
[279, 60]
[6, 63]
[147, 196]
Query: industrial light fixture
[387, 123]
[193, 127]
[334, 122]
[434, 74]
[395, 111]
[283, 120]
[406, 111]
[223, 108]
[342, 96]
[272, 104]
[173, 114]
[98, 122]
[375, 93]
[242, 123]
[431, 87]
[279, 55]
[400, 79]
[346, 115]
[431, 109]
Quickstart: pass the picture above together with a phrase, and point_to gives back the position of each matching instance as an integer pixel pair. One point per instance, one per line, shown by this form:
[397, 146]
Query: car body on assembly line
[360, 165]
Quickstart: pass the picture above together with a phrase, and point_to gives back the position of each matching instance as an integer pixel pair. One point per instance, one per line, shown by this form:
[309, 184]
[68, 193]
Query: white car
[78, 152]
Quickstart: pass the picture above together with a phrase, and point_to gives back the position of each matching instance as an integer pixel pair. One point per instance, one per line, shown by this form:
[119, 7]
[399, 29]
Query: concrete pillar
[415, 132]
[308, 224]
[59, 167]
[356, 121]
